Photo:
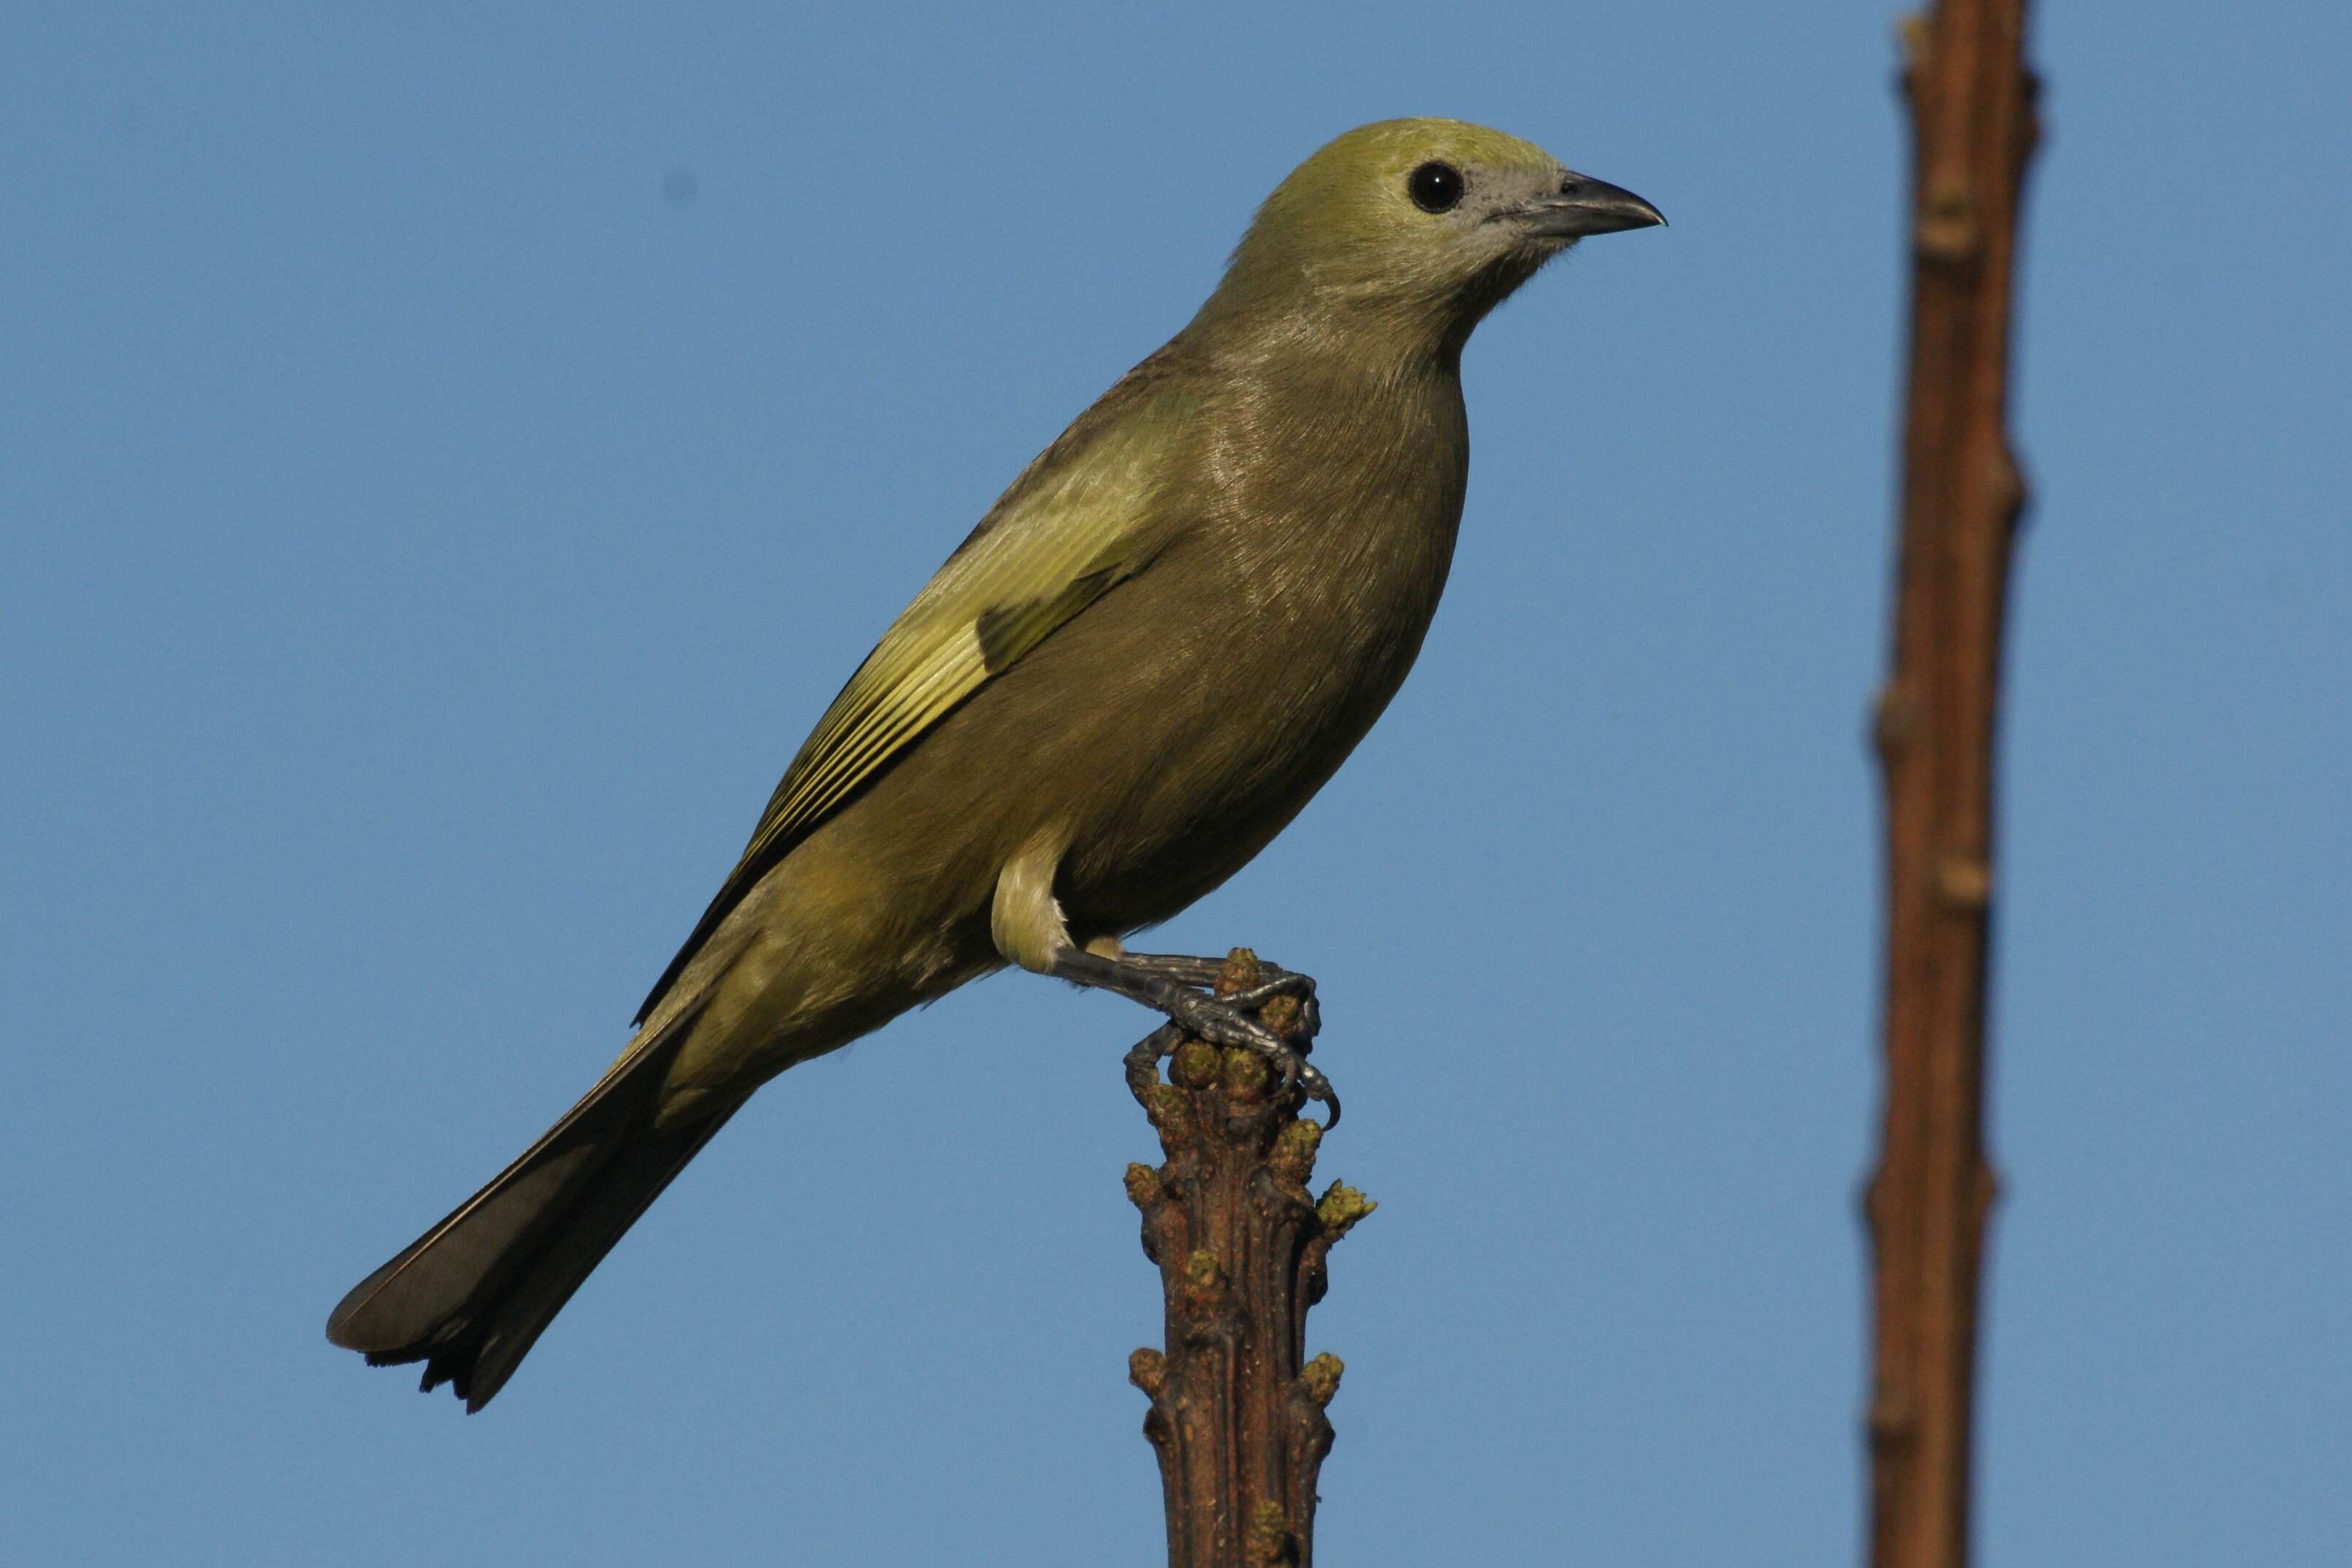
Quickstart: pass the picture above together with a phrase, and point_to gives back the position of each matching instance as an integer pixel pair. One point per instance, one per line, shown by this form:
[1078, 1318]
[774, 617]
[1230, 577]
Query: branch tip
[1195, 1065]
[1143, 1188]
[1320, 1378]
[1239, 974]
[1339, 1207]
[1293, 1160]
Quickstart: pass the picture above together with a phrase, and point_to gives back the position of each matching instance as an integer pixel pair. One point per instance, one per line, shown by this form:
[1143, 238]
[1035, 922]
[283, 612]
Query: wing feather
[1082, 519]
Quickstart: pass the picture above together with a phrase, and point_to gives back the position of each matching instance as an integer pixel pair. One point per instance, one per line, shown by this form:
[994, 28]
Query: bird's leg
[1168, 984]
[1179, 967]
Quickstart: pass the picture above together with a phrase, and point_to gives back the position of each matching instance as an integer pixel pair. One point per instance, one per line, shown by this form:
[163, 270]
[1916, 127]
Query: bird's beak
[1585, 206]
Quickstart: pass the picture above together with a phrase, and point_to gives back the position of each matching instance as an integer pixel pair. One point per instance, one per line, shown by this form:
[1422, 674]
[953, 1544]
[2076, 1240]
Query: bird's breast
[1258, 650]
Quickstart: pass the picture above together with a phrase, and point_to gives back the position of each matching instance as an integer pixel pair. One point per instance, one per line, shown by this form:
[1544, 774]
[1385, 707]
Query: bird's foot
[1195, 993]
[1271, 980]
[1144, 1057]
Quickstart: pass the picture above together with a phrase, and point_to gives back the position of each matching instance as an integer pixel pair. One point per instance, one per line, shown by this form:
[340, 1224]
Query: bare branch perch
[1971, 100]
[1237, 1411]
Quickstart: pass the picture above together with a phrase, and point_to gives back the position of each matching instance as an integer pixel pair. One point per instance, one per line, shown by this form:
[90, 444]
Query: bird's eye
[1435, 187]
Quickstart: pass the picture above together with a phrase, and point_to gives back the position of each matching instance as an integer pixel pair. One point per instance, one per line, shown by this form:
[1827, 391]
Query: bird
[1158, 643]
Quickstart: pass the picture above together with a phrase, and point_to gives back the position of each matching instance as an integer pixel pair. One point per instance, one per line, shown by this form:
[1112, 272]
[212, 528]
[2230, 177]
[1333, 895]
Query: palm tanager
[1152, 651]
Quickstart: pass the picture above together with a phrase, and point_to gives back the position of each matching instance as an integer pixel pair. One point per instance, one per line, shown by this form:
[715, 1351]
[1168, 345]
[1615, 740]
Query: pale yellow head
[1417, 223]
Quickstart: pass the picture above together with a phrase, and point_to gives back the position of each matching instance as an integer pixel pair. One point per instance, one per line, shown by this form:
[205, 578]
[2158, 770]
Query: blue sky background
[447, 462]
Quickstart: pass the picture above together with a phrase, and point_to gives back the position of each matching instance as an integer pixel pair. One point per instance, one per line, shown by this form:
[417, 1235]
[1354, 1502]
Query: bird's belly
[1223, 746]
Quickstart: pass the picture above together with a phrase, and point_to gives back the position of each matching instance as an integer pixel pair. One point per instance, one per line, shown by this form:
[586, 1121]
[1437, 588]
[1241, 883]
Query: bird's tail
[470, 1296]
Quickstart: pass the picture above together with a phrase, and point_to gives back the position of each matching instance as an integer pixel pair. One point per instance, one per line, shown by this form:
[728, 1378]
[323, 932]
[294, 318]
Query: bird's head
[1414, 229]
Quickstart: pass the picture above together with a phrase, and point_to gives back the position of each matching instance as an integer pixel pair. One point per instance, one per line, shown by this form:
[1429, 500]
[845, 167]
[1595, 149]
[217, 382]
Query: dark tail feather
[470, 1296]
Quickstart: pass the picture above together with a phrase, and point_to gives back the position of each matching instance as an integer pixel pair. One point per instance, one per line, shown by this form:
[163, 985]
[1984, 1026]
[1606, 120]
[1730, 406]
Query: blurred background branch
[1971, 100]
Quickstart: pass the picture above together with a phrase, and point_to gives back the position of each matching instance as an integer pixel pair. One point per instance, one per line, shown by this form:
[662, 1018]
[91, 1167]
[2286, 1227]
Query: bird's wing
[1078, 521]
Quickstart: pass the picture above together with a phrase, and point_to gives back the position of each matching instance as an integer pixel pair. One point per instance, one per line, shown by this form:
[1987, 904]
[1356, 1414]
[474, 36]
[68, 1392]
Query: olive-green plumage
[1152, 651]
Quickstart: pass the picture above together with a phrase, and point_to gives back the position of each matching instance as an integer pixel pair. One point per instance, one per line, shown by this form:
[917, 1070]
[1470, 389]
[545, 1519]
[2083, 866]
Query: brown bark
[1237, 1409]
[1971, 100]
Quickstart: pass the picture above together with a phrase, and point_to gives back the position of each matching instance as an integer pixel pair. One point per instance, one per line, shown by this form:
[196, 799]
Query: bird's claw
[1226, 1021]
[1283, 983]
[1184, 988]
